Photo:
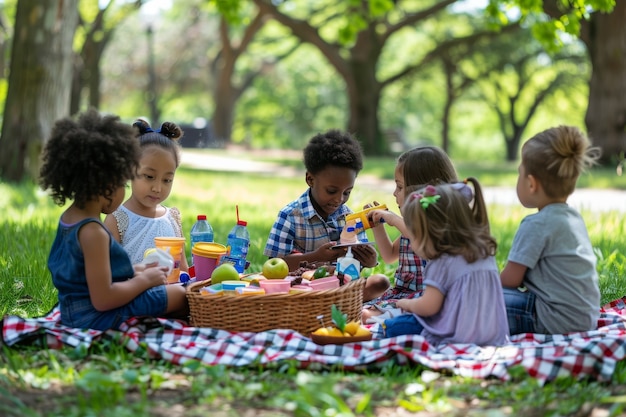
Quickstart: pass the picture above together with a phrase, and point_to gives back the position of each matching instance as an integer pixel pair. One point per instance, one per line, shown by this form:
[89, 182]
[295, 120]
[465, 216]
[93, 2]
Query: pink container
[328, 283]
[206, 256]
[275, 286]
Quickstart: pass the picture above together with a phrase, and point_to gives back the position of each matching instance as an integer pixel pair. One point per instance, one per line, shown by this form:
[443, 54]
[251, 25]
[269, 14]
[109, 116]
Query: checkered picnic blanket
[591, 354]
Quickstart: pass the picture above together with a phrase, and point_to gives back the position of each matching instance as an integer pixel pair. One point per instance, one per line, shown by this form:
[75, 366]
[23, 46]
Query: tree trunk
[364, 90]
[77, 84]
[364, 97]
[512, 143]
[225, 93]
[225, 97]
[39, 82]
[449, 70]
[605, 37]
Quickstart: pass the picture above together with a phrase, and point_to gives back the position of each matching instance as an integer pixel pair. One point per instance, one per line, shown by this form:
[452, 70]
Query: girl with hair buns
[89, 161]
[550, 279]
[143, 216]
[462, 300]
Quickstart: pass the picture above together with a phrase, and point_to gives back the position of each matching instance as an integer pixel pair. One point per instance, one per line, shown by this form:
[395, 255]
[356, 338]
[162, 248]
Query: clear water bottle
[239, 242]
[201, 231]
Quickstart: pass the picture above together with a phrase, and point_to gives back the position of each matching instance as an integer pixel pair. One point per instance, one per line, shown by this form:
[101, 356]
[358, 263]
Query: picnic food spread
[275, 278]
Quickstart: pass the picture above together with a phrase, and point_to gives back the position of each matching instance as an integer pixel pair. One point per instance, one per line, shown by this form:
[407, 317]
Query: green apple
[224, 272]
[275, 268]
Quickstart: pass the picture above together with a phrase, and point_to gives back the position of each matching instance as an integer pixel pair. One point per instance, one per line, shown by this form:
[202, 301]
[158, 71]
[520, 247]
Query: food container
[275, 286]
[327, 283]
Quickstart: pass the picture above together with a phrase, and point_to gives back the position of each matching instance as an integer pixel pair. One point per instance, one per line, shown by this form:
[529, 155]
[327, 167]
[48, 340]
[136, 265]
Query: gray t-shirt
[473, 309]
[555, 246]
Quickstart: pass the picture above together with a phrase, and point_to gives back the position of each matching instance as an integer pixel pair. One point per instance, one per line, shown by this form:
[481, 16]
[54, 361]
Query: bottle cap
[201, 216]
[241, 223]
[183, 277]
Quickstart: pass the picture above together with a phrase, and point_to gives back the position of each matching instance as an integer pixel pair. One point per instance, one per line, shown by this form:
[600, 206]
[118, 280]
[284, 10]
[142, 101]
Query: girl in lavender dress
[462, 300]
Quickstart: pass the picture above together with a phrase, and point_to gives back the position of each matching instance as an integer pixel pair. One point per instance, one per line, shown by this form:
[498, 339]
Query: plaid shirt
[408, 280]
[408, 276]
[299, 228]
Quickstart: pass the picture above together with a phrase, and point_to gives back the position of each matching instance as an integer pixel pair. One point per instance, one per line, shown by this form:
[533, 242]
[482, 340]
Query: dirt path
[582, 199]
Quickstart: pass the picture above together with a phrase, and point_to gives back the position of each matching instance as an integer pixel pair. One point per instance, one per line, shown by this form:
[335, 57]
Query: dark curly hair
[89, 157]
[335, 148]
[165, 137]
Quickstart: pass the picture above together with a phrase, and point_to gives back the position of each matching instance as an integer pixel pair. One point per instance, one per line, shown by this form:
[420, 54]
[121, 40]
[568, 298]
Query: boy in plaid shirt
[307, 228]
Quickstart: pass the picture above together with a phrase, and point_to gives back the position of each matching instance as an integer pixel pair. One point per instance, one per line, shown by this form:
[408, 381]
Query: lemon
[352, 327]
[362, 331]
[322, 331]
[335, 332]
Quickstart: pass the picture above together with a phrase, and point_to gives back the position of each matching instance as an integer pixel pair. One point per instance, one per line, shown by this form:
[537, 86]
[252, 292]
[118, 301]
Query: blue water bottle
[201, 231]
[239, 242]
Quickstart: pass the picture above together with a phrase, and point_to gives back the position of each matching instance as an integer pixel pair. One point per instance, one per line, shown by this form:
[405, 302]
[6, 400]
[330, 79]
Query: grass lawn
[110, 381]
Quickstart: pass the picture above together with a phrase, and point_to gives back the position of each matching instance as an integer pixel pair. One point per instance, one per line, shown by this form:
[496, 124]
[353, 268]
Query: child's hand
[327, 253]
[365, 254]
[404, 305]
[377, 217]
[141, 267]
[155, 275]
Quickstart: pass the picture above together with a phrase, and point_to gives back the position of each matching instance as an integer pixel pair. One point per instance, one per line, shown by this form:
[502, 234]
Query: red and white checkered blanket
[583, 355]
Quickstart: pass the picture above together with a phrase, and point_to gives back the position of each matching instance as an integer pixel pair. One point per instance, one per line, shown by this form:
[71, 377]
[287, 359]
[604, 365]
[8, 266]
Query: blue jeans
[520, 310]
[401, 325]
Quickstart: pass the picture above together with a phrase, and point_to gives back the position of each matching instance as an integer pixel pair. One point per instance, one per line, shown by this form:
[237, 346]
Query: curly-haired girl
[89, 161]
[550, 279]
[462, 300]
[143, 216]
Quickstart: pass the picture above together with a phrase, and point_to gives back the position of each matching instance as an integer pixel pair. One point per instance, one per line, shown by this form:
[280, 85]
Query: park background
[245, 86]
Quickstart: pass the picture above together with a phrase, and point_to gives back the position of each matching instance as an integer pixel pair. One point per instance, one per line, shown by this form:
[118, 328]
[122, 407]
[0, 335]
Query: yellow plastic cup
[175, 246]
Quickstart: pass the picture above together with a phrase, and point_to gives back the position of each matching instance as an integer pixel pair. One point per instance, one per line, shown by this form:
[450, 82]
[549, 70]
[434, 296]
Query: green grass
[108, 380]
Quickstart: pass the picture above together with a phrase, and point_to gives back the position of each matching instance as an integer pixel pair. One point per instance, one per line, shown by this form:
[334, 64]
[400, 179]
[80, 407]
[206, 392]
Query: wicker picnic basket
[257, 313]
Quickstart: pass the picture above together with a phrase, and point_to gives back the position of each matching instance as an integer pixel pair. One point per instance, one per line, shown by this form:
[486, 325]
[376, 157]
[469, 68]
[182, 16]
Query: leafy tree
[97, 23]
[184, 39]
[604, 34]
[354, 48]
[526, 78]
[600, 25]
[39, 82]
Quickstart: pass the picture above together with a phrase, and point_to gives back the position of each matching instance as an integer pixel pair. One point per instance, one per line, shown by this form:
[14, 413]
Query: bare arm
[184, 265]
[111, 223]
[389, 251]
[427, 305]
[104, 293]
[513, 274]
[391, 218]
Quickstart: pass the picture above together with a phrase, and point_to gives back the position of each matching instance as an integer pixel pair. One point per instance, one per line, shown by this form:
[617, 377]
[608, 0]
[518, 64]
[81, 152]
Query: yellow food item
[352, 327]
[308, 275]
[335, 332]
[322, 331]
[362, 331]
